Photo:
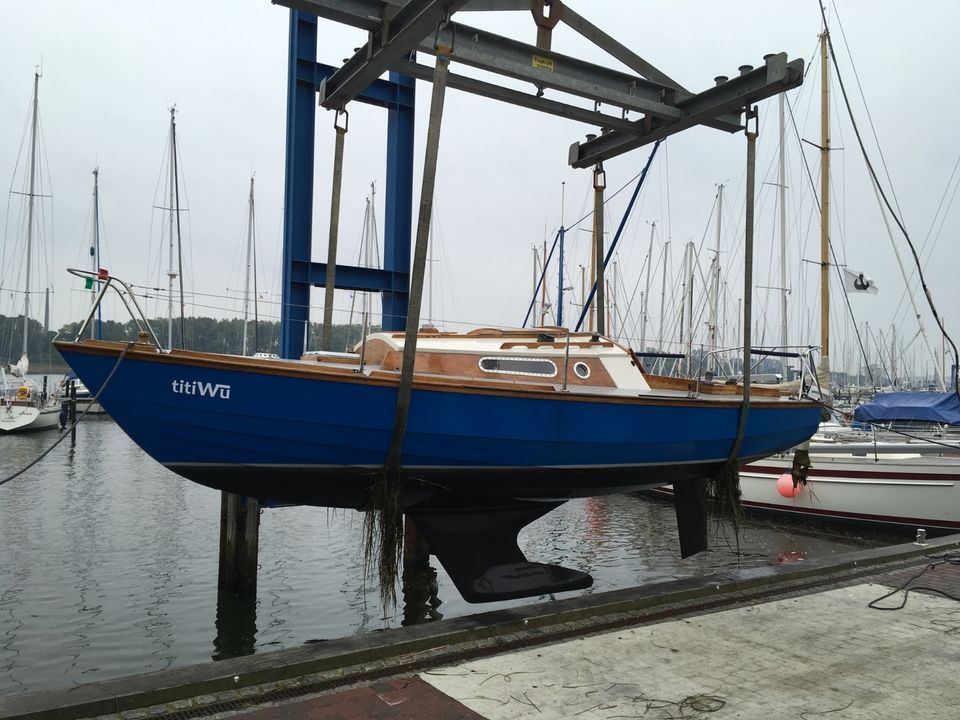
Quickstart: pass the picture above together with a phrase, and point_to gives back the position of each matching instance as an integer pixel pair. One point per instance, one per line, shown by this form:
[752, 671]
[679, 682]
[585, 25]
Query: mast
[171, 273]
[30, 196]
[429, 265]
[176, 198]
[563, 187]
[599, 183]
[783, 241]
[689, 257]
[246, 283]
[824, 199]
[645, 305]
[663, 293]
[95, 330]
[536, 272]
[543, 287]
[715, 279]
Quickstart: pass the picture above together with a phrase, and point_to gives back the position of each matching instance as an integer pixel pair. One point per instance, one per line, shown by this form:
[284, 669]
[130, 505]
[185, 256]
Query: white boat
[23, 405]
[893, 484]
[85, 398]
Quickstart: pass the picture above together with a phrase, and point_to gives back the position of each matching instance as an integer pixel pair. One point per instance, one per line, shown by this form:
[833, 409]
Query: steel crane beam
[396, 36]
[517, 97]
[367, 14]
[775, 76]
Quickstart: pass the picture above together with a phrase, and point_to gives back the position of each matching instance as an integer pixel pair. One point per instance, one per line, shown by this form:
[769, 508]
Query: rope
[906, 589]
[75, 422]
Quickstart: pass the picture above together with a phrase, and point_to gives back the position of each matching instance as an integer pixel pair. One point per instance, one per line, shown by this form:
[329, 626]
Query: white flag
[858, 282]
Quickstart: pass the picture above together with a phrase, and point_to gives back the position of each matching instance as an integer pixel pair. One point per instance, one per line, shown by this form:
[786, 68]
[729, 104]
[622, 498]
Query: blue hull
[282, 433]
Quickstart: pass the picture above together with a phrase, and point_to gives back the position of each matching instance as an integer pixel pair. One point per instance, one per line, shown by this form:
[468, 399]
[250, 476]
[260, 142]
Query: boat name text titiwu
[195, 387]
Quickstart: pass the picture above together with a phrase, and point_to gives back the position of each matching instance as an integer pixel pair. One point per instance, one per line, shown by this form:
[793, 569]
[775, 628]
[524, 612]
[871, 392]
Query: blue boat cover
[927, 406]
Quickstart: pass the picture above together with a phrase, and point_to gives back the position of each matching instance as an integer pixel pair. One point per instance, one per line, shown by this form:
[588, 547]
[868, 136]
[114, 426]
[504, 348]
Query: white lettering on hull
[204, 389]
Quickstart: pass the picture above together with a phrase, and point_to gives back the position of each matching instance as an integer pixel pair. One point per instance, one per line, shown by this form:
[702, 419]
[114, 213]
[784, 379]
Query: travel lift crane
[397, 30]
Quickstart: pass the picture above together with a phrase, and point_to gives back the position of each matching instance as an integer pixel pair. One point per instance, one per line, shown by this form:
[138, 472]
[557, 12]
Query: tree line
[205, 334]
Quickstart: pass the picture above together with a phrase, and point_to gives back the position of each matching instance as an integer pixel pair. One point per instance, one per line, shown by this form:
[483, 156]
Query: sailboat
[23, 405]
[886, 481]
[473, 435]
[250, 279]
[174, 239]
[85, 402]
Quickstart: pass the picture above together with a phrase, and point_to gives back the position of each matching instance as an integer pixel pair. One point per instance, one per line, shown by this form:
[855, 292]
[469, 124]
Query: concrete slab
[800, 657]
[705, 682]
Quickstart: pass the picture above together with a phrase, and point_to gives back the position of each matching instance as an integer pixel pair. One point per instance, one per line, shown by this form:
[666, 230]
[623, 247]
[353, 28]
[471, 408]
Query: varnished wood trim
[297, 369]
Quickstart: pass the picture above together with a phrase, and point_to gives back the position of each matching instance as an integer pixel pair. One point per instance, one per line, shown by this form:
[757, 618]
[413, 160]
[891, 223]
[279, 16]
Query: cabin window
[518, 366]
[581, 370]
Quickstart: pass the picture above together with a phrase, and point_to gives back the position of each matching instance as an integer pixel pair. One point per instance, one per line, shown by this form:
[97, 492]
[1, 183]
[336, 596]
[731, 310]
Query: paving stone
[769, 660]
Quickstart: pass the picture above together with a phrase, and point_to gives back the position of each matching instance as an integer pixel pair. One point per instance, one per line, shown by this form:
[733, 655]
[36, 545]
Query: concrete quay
[797, 640]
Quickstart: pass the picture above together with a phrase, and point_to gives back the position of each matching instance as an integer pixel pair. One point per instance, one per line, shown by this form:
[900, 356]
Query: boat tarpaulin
[926, 406]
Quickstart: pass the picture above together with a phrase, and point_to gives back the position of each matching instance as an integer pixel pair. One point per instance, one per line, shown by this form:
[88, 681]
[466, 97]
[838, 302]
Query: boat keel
[477, 546]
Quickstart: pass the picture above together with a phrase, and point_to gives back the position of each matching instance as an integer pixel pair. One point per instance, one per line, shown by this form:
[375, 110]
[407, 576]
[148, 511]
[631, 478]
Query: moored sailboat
[24, 405]
[886, 481]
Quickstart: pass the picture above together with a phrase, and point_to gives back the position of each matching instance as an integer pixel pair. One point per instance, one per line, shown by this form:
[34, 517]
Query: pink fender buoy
[786, 487]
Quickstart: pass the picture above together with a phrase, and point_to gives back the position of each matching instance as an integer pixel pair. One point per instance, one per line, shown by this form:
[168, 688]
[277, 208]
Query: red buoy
[786, 487]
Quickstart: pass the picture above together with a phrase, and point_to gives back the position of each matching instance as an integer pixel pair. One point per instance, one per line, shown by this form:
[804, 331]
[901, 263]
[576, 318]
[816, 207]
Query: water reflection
[236, 624]
[109, 564]
[421, 596]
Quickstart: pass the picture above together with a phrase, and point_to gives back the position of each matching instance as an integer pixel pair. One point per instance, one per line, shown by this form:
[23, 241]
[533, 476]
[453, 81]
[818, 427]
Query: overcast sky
[111, 69]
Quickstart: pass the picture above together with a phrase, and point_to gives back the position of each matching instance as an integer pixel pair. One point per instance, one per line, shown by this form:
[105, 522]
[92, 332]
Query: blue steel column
[298, 191]
[398, 201]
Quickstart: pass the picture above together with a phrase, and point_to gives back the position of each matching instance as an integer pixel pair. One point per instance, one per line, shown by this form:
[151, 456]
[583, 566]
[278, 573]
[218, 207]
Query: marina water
[109, 564]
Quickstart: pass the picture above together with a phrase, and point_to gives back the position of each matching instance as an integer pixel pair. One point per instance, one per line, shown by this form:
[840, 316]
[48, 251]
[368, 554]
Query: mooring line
[66, 431]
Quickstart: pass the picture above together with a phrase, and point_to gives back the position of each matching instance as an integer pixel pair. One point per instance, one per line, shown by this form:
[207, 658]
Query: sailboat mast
[171, 274]
[824, 198]
[645, 305]
[689, 259]
[543, 287]
[663, 294]
[30, 196]
[715, 279]
[783, 238]
[176, 200]
[246, 280]
[95, 247]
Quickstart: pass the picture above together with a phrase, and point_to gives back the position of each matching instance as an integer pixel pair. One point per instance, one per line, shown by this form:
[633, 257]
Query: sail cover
[927, 406]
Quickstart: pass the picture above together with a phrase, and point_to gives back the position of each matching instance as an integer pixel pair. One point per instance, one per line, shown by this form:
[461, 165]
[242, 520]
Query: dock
[798, 639]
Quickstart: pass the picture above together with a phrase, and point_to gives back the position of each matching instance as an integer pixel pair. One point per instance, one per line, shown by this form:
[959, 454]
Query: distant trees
[200, 333]
[11, 340]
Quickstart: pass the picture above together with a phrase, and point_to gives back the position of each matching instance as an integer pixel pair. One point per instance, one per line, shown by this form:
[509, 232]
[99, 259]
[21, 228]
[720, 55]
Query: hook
[346, 120]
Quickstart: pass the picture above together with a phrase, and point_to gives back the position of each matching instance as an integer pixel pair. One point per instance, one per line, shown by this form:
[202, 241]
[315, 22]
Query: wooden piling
[72, 413]
[239, 544]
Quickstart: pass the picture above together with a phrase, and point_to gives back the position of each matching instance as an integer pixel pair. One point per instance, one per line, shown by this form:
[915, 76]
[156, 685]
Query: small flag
[88, 283]
[102, 274]
[858, 282]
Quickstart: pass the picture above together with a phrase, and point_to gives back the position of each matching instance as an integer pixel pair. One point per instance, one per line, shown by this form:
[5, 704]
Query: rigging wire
[896, 217]
[940, 217]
